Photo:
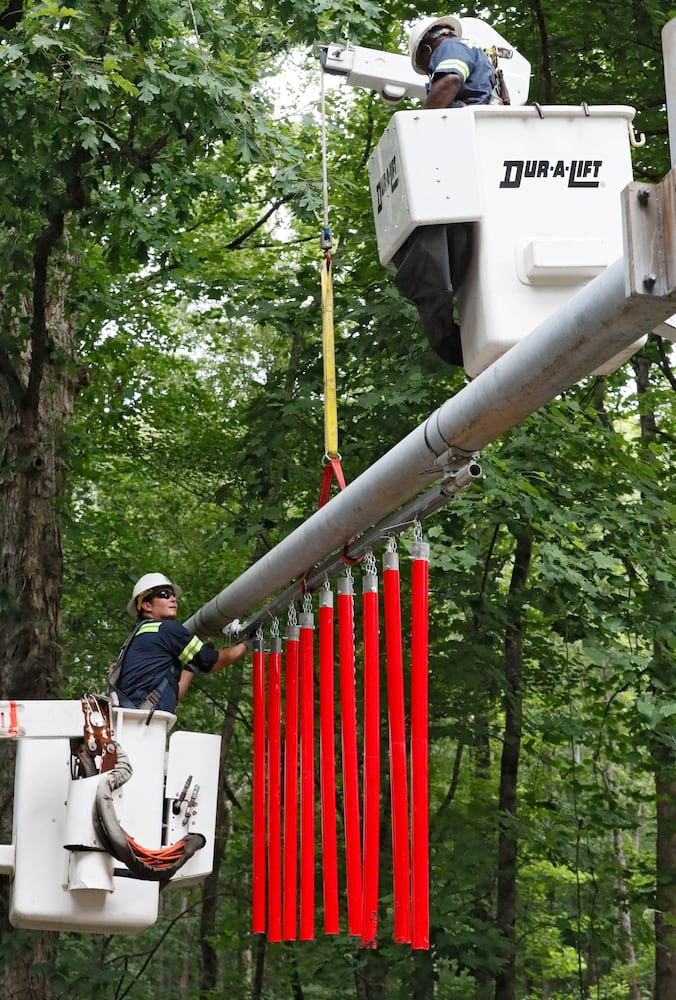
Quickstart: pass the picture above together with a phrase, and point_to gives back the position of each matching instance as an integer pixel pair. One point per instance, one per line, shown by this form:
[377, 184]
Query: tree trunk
[505, 980]
[424, 976]
[37, 398]
[209, 978]
[624, 919]
[665, 896]
[38, 385]
[624, 912]
[370, 976]
[663, 685]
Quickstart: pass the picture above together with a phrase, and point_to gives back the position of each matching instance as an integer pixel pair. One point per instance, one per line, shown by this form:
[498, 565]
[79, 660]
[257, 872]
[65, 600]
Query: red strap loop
[332, 468]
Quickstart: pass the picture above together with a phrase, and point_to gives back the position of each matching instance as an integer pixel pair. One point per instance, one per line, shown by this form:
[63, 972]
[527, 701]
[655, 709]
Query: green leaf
[147, 91]
[39, 41]
[124, 84]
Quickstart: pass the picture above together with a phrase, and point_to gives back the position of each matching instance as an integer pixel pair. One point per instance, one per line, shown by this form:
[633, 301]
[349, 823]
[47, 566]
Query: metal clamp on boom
[460, 470]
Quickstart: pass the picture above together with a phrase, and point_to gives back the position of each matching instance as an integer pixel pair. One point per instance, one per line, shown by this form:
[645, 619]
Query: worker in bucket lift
[459, 71]
[433, 261]
[155, 666]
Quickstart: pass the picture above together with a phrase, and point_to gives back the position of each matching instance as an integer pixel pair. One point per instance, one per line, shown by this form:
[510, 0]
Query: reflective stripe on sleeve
[453, 66]
[190, 650]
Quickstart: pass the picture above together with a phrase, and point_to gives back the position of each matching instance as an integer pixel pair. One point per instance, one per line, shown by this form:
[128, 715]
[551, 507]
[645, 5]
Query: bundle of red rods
[284, 834]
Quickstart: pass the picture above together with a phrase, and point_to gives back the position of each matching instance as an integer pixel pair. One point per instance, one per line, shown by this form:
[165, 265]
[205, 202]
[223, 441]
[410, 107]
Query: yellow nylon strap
[330, 404]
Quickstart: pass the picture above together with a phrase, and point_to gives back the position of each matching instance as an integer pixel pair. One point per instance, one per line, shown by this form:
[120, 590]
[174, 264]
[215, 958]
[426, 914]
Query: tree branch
[600, 402]
[454, 780]
[43, 249]
[487, 560]
[368, 138]
[544, 48]
[75, 198]
[142, 158]
[11, 15]
[11, 377]
[667, 370]
[234, 244]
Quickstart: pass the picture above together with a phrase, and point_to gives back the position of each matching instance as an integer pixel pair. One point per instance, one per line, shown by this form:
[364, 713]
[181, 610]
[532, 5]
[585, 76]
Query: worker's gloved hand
[231, 630]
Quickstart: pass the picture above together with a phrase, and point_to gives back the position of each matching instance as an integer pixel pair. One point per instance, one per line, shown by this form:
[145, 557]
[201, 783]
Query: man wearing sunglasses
[160, 657]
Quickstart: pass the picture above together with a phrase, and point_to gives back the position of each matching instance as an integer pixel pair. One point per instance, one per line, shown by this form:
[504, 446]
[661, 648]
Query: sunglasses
[164, 594]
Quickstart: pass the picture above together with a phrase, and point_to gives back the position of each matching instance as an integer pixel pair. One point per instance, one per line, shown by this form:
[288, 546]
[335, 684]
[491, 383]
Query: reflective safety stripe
[191, 650]
[150, 626]
[452, 66]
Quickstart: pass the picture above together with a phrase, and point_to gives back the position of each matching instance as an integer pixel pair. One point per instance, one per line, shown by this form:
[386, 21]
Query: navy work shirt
[157, 647]
[470, 63]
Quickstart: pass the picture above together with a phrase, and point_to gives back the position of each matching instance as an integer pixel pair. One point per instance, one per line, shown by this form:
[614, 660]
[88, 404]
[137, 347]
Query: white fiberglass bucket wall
[46, 892]
[543, 187]
[61, 877]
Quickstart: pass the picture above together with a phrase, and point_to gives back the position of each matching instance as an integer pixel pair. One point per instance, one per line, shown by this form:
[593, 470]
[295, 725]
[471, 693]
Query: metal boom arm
[631, 297]
[603, 318]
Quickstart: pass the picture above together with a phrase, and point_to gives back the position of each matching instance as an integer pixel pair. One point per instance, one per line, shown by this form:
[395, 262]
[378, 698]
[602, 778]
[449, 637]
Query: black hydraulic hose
[116, 840]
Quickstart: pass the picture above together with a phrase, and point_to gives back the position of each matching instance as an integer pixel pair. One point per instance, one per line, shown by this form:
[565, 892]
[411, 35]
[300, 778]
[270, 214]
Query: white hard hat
[421, 28]
[148, 582]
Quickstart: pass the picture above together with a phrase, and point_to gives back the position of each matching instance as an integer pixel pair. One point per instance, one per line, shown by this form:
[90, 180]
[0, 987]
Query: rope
[328, 348]
[330, 405]
[332, 466]
[325, 182]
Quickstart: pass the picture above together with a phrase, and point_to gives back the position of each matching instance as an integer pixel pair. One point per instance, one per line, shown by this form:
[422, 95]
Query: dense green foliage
[192, 259]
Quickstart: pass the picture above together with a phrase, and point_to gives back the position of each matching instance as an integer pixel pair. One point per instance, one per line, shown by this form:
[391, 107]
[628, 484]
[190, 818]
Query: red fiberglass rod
[258, 863]
[291, 784]
[348, 721]
[420, 937]
[307, 778]
[327, 762]
[274, 790]
[397, 738]
[371, 855]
